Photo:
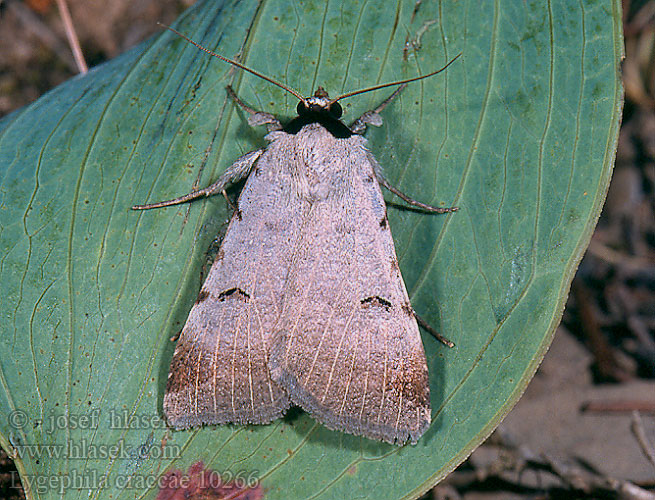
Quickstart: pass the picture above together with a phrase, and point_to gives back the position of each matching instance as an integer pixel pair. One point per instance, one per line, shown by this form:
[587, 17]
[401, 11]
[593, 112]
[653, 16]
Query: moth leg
[423, 206]
[415, 203]
[428, 328]
[256, 117]
[238, 170]
[235, 210]
[373, 117]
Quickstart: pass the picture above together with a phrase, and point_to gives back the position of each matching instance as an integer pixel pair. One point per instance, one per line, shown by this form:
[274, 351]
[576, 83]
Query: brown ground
[586, 424]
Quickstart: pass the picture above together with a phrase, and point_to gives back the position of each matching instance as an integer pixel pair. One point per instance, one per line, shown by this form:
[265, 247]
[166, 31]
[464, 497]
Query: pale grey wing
[219, 372]
[347, 348]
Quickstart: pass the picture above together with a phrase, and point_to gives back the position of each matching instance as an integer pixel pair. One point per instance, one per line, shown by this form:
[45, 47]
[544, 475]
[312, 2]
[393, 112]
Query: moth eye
[301, 109]
[335, 110]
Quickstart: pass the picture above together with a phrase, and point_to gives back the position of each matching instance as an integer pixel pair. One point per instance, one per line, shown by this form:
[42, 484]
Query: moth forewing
[219, 373]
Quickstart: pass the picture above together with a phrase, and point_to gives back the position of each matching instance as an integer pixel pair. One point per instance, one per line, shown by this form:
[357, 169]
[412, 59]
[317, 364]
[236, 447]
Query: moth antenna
[237, 64]
[391, 84]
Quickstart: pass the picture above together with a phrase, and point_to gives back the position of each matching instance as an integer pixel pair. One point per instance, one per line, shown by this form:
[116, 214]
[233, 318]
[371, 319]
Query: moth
[305, 304]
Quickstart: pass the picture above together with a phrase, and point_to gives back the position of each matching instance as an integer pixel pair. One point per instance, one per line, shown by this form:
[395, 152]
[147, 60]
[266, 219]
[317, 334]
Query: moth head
[320, 103]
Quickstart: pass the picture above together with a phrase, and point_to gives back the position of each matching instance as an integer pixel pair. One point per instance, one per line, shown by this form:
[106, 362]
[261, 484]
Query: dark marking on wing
[375, 300]
[407, 309]
[368, 179]
[342, 228]
[278, 226]
[384, 223]
[411, 383]
[231, 291]
[395, 268]
[179, 376]
[202, 296]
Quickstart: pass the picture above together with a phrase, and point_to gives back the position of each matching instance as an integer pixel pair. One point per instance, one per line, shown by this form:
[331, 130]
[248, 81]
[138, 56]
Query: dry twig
[73, 41]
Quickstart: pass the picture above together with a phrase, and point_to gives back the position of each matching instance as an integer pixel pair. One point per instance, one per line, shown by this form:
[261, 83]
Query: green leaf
[519, 133]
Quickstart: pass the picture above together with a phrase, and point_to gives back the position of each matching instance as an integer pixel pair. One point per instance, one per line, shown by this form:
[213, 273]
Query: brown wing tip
[397, 434]
[181, 419]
